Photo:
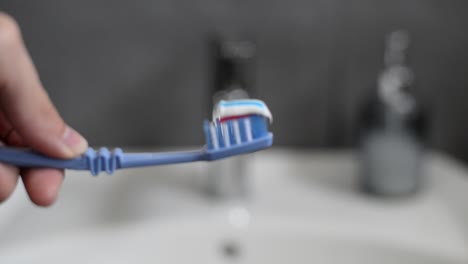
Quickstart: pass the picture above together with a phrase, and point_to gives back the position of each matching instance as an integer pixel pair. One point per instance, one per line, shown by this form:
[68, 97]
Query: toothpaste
[227, 110]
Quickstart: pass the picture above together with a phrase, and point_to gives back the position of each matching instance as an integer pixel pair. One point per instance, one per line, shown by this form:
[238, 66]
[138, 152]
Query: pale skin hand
[28, 119]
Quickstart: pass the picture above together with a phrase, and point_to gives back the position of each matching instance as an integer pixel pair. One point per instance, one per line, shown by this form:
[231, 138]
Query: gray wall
[137, 72]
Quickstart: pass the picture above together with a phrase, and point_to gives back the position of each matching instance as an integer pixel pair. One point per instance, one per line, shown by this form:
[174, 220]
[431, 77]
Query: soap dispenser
[393, 127]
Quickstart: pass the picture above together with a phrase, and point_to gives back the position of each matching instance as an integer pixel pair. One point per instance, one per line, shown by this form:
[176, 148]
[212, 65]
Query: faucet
[232, 79]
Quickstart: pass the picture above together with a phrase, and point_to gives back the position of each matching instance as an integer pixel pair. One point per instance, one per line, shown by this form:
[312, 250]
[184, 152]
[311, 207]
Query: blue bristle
[220, 134]
[259, 126]
[208, 139]
[242, 129]
[232, 137]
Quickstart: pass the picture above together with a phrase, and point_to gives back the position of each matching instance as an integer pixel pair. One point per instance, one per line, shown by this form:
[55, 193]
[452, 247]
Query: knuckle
[10, 34]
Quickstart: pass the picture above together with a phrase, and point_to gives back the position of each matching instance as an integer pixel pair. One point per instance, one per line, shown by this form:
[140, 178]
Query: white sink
[304, 209]
[201, 241]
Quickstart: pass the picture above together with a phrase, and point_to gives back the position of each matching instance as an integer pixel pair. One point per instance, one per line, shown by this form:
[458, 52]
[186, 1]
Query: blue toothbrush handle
[28, 158]
[97, 161]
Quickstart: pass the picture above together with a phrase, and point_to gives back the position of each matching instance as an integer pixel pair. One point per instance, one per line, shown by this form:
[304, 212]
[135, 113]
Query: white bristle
[226, 138]
[248, 129]
[237, 135]
[214, 136]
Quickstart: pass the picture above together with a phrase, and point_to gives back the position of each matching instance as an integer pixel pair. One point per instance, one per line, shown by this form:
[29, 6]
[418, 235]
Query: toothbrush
[238, 127]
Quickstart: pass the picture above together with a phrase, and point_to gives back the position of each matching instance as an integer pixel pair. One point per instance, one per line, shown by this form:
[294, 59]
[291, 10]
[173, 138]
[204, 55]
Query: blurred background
[140, 73]
[357, 88]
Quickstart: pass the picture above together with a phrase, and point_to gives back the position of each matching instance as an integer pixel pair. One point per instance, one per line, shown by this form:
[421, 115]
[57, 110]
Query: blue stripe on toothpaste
[242, 103]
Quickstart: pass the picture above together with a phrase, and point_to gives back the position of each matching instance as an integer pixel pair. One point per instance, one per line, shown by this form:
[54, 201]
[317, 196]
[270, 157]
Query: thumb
[25, 103]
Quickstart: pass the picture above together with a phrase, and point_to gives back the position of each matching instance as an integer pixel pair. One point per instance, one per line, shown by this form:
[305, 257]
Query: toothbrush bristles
[235, 132]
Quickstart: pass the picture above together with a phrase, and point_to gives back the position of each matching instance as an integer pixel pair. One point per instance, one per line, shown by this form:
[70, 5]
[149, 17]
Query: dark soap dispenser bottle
[393, 128]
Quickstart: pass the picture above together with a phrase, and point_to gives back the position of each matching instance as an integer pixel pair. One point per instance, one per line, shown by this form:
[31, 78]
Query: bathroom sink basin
[268, 240]
[304, 207]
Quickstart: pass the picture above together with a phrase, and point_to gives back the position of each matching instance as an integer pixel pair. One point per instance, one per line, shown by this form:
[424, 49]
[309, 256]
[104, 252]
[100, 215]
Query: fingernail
[75, 142]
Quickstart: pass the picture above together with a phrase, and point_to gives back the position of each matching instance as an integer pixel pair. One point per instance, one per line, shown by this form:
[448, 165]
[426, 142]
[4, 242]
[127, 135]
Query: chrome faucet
[232, 79]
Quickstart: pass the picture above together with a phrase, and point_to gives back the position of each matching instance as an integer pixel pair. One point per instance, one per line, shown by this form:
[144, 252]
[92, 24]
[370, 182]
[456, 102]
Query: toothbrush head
[238, 127]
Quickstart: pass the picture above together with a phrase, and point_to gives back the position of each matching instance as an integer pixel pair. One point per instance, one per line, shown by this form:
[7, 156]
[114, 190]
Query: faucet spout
[233, 72]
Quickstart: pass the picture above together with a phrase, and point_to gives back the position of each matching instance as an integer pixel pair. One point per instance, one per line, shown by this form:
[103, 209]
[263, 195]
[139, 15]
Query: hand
[28, 119]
